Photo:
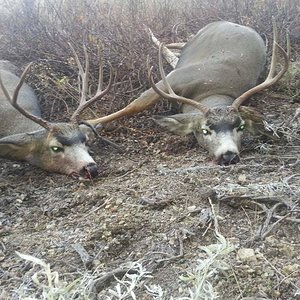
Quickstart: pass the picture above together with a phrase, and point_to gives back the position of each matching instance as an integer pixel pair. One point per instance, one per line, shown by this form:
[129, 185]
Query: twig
[237, 200]
[94, 210]
[265, 229]
[217, 228]
[237, 282]
[293, 220]
[100, 283]
[278, 272]
[85, 257]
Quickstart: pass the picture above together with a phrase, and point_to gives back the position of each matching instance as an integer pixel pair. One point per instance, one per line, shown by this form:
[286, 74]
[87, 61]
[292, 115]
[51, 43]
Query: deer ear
[19, 146]
[88, 132]
[180, 124]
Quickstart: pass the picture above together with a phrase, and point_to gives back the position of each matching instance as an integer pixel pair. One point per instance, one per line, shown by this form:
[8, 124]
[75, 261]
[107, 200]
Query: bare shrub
[39, 30]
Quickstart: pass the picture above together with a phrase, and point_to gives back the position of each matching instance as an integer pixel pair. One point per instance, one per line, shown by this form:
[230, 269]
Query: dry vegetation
[161, 222]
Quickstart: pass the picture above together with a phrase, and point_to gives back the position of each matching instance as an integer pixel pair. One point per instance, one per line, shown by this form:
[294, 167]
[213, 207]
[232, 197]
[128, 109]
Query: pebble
[246, 255]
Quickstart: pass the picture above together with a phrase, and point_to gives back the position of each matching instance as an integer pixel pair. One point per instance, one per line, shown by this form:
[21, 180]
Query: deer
[55, 147]
[217, 71]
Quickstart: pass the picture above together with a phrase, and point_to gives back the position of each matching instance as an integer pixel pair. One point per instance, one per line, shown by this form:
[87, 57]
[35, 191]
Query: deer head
[57, 147]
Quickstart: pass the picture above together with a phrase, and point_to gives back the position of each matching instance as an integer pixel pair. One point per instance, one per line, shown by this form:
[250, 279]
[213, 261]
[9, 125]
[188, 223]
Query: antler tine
[83, 74]
[274, 58]
[271, 78]
[99, 94]
[13, 100]
[82, 77]
[288, 45]
[170, 57]
[171, 95]
[100, 79]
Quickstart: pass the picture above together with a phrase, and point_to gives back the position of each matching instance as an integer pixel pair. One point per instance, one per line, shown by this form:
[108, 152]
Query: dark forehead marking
[77, 138]
[225, 125]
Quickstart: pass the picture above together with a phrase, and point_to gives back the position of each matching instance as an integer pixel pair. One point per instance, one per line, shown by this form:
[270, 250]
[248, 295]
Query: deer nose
[89, 171]
[229, 158]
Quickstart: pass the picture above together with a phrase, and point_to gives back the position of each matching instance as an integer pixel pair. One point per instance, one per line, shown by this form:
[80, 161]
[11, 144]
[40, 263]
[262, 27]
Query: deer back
[223, 58]
[12, 122]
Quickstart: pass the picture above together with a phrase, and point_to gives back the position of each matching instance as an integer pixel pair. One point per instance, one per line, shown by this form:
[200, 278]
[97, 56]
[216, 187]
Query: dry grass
[46, 284]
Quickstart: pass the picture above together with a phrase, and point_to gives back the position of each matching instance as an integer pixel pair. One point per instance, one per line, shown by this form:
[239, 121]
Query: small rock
[276, 294]
[246, 255]
[271, 240]
[259, 256]
[250, 270]
[242, 178]
[114, 209]
[191, 208]
[287, 250]
[288, 269]
[119, 201]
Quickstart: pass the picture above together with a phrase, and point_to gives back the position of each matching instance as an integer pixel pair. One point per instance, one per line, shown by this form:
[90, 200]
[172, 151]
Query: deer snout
[229, 158]
[89, 171]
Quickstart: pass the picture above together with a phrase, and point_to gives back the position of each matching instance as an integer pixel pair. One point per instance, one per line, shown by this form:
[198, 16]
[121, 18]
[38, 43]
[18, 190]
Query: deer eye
[241, 127]
[205, 131]
[56, 149]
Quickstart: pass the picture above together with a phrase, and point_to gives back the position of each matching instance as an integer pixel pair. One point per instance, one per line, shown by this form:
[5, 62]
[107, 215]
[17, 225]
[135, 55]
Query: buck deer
[216, 73]
[55, 147]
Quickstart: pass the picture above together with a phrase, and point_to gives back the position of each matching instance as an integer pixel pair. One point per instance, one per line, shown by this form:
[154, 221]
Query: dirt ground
[156, 205]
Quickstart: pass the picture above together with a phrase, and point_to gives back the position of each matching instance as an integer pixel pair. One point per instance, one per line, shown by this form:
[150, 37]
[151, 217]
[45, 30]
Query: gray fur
[12, 122]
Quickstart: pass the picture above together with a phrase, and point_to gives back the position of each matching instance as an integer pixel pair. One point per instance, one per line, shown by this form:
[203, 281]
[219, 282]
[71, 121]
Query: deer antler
[271, 79]
[171, 95]
[147, 99]
[171, 58]
[13, 100]
[83, 75]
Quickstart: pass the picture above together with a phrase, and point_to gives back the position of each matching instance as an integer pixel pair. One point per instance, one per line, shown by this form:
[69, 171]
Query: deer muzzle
[89, 171]
[228, 158]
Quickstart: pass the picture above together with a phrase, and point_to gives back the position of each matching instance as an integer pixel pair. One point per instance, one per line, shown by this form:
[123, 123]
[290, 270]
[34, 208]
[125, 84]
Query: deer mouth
[74, 175]
[88, 172]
